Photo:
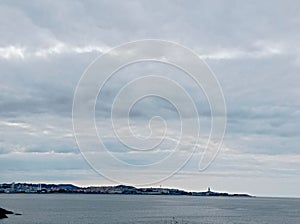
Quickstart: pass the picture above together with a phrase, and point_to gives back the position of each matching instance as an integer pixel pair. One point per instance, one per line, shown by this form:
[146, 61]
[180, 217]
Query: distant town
[120, 189]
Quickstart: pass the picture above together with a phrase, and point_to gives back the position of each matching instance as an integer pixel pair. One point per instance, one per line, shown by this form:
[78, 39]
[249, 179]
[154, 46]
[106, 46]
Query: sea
[125, 209]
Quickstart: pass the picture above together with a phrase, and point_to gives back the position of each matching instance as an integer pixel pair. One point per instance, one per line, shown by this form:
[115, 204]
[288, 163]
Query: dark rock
[2, 216]
[4, 213]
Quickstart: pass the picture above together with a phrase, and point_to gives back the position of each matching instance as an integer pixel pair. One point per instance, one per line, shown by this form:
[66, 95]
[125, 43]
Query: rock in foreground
[4, 213]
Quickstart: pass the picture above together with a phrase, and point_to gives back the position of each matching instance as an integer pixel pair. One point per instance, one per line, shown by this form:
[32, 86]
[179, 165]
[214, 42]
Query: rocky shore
[4, 213]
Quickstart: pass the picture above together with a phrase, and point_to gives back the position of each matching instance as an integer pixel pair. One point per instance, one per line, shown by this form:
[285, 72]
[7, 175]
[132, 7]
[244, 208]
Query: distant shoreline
[29, 188]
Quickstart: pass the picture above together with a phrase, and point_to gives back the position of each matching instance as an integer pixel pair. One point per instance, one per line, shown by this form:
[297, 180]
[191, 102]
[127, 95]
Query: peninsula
[119, 189]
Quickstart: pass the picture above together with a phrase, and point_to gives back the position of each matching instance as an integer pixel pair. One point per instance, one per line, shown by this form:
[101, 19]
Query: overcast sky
[251, 46]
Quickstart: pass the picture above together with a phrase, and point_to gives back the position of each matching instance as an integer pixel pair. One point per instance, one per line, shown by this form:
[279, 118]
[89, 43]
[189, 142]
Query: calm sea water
[124, 209]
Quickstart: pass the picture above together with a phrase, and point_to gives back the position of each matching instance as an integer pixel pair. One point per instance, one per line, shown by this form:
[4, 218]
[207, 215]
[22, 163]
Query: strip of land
[120, 189]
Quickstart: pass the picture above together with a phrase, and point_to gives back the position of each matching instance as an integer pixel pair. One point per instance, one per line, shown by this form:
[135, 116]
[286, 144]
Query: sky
[251, 47]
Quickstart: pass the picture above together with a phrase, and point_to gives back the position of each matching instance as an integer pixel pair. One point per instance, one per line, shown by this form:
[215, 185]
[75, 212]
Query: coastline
[29, 188]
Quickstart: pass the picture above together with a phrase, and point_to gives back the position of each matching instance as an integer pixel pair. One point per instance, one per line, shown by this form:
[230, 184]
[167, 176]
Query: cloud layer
[251, 46]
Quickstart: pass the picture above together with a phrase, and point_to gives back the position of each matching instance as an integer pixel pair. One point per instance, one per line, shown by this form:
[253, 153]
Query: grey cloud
[251, 46]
